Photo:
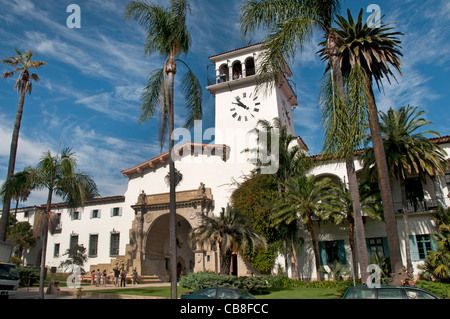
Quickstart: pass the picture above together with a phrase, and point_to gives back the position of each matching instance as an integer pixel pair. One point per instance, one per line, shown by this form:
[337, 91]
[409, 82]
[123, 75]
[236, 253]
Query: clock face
[245, 107]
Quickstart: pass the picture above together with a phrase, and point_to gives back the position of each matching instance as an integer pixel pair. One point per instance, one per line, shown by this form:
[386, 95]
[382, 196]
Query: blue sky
[88, 96]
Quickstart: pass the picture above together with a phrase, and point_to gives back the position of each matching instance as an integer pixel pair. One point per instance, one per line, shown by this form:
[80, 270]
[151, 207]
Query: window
[208, 293]
[116, 211]
[375, 246]
[419, 245]
[414, 195]
[56, 250]
[95, 213]
[73, 240]
[76, 215]
[390, 293]
[58, 220]
[423, 245]
[114, 244]
[417, 294]
[332, 251]
[93, 245]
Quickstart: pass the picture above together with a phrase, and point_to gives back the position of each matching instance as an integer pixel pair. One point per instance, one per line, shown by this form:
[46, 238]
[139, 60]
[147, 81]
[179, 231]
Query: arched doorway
[157, 248]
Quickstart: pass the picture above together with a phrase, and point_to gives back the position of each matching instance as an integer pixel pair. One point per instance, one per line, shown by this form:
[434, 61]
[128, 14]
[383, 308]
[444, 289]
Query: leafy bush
[201, 280]
[28, 276]
[438, 288]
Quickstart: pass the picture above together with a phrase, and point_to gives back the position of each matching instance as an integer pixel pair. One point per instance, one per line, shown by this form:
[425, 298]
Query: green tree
[168, 35]
[22, 65]
[290, 25]
[303, 202]
[21, 235]
[371, 51]
[253, 197]
[345, 126]
[76, 256]
[59, 176]
[229, 231]
[408, 152]
[437, 264]
[341, 210]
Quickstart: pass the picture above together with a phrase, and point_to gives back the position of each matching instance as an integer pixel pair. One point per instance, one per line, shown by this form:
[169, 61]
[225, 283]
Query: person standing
[104, 274]
[135, 276]
[98, 276]
[123, 277]
[116, 276]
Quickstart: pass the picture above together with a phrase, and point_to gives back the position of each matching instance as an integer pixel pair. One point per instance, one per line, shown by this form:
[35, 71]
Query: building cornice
[190, 148]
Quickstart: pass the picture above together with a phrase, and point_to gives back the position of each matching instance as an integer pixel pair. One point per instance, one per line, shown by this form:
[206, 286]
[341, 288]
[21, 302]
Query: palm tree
[304, 200]
[370, 51]
[341, 210]
[22, 64]
[292, 161]
[408, 152]
[59, 175]
[229, 231]
[167, 34]
[345, 126]
[291, 24]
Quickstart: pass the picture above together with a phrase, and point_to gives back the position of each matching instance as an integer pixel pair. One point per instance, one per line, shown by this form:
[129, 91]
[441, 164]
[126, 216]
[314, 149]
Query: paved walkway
[90, 292]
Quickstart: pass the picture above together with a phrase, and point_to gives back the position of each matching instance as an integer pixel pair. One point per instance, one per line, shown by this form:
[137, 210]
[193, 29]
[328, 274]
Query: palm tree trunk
[295, 271]
[386, 193]
[171, 70]
[44, 244]
[12, 160]
[363, 258]
[315, 243]
[409, 266]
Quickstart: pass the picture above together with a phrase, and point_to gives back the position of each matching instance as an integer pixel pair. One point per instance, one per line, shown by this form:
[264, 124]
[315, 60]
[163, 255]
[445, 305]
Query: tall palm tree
[341, 210]
[304, 200]
[59, 176]
[291, 24]
[167, 34]
[345, 126]
[229, 231]
[371, 51]
[408, 152]
[22, 65]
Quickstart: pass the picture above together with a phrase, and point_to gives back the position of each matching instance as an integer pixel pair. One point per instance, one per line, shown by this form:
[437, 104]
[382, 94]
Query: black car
[219, 293]
[388, 292]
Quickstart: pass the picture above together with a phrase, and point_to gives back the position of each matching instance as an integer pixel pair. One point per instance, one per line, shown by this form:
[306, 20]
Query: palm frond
[193, 93]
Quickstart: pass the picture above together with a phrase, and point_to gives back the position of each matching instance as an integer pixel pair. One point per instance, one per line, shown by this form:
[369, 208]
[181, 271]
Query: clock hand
[238, 99]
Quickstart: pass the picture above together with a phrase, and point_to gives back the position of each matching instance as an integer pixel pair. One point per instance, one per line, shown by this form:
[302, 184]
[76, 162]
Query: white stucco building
[132, 229]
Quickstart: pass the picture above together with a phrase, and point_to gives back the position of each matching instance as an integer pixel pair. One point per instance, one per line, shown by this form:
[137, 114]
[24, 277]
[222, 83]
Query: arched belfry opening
[250, 66]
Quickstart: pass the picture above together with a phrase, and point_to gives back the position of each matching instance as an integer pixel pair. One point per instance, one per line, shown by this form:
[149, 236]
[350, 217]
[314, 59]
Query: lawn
[300, 293]
[285, 293]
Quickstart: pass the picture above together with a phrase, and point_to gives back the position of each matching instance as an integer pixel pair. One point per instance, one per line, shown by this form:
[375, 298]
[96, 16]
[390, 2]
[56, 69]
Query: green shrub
[438, 288]
[202, 280]
[28, 276]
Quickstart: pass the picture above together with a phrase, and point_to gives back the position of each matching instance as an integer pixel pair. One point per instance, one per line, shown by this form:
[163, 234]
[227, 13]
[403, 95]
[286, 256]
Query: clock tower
[238, 105]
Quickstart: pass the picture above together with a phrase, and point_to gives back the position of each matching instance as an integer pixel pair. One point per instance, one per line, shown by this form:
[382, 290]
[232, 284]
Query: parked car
[388, 292]
[219, 293]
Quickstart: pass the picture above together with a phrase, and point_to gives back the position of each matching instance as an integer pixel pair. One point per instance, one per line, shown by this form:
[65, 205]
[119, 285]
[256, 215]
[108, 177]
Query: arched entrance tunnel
[157, 248]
